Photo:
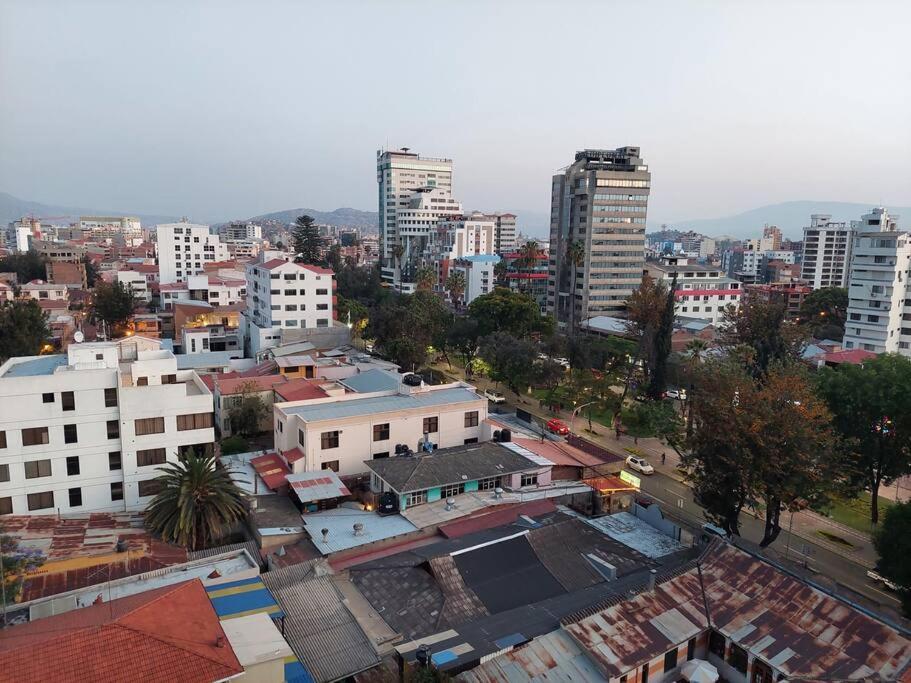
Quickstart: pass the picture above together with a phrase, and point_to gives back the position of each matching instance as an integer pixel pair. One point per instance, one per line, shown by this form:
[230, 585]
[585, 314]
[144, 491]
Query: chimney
[651, 580]
[220, 641]
[358, 529]
[325, 533]
[497, 493]
[450, 504]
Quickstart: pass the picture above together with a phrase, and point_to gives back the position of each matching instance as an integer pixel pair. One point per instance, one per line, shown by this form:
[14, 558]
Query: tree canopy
[511, 360]
[23, 329]
[825, 311]
[503, 310]
[113, 304]
[892, 541]
[248, 411]
[759, 334]
[405, 326]
[27, 266]
[308, 245]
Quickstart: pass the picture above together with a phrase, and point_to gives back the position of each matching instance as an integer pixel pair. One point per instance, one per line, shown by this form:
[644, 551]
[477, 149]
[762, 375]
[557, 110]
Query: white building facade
[702, 292]
[184, 249]
[826, 252]
[479, 275]
[85, 432]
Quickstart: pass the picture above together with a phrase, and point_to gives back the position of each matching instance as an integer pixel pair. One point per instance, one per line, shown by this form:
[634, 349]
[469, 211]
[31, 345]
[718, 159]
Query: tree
[23, 329]
[499, 273]
[511, 360]
[455, 285]
[575, 256]
[696, 349]
[306, 240]
[425, 278]
[892, 541]
[358, 314]
[405, 326]
[872, 413]
[661, 346]
[15, 562]
[334, 257]
[197, 505]
[503, 310]
[825, 311]
[760, 334]
[27, 266]
[248, 411]
[113, 304]
[528, 258]
[91, 271]
[463, 338]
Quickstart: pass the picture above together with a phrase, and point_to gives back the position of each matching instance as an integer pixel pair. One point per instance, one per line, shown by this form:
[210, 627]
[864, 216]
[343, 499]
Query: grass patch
[633, 451]
[835, 538]
[855, 513]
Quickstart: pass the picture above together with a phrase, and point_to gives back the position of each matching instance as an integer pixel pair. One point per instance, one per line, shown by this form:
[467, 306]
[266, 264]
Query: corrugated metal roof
[191, 361]
[33, 367]
[321, 630]
[310, 486]
[250, 546]
[372, 380]
[381, 404]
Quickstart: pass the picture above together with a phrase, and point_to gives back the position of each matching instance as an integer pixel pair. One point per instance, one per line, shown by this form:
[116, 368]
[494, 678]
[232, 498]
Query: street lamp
[572, 420]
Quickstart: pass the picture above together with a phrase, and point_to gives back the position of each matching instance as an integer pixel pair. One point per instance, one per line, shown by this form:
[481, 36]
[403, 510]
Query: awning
[311, 486]
[271, 469]
[609, 484]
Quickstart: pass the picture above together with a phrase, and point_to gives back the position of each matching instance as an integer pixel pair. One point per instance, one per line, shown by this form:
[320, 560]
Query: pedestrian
[663, 457]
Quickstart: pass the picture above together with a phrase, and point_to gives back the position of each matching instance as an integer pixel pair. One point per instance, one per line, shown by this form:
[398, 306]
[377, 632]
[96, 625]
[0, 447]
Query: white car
[640, 465]
[676, 393]
[494, 396]
[878, 578]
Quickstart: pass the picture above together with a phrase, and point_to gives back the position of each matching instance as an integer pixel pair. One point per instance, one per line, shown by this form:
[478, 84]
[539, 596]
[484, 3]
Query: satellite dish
[78, 337]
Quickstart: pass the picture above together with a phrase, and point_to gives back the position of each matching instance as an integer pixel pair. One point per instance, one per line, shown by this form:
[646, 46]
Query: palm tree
[695, 350]
[398, 251]
[198, 503]
[575, 255]
[455, 284]
[425, 278]
[528, 257]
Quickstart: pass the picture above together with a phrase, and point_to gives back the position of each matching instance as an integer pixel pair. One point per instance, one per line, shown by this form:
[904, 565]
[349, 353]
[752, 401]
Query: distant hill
[791, 217]
[345, 217]
[13, 208]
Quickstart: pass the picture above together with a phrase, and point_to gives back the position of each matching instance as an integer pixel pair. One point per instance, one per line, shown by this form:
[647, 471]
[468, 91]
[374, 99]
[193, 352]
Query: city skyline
[197, 118]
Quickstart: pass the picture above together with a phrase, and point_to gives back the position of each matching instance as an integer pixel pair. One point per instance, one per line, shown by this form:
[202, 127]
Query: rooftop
[340, 523]
[167, 634]
[313, 486]
[852, 356]
[372, 381]
[636, 534]
[607, 324]
[301, 389]
[449, 466]
[359, 406]
[206, 359]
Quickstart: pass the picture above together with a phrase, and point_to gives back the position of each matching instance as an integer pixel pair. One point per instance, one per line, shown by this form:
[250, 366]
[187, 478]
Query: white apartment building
[399, 175]
[243, 231]
[341, 432]
[85, 431]
[244, 249]
[20, 233]
[755, 258]
[479, 275]
[136, 281]
[417, 226]
[224, 288]
[285, 295]
[702, 292]
[460, 236]
[878, 319]
[506, 236]
[111, 226]
[184, 249]
[826, 252]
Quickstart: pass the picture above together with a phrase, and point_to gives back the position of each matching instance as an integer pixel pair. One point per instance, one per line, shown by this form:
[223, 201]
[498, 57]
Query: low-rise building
[85, 431]
[791, 294]
[702, 292]
[478, 273]
[39, 290]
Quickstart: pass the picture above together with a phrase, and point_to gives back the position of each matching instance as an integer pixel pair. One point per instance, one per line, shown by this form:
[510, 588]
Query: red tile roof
[237, 385]
[609, 484]
[300, 389]
[167, 634]
[293, 455]
[852, 356]
[272, 469]
[504, 514]
[274, 263]
[267, 367]
[319, 270]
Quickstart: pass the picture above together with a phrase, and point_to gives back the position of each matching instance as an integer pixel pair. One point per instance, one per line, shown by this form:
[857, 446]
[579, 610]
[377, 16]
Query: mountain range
[12, 208]
[354, 218]
[791, 217]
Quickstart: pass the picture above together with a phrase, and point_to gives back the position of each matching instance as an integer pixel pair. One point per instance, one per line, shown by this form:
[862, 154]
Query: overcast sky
[219, 109]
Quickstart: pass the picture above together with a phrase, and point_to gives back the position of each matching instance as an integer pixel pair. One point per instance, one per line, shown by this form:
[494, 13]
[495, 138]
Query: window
[151, 456]
[75, 498]
[37, 468]
[72, 466]
[488, 484]
[290, 292]
[471, 440]
[670, 660]
[415, 498]
[114, 461]
[172, 379]
[68, 400]
[117, 490]
[47, 398]
[380, 456]
[300, 436]
[2, 439]
[329, 440]
[34, 436]
[194, 421]
[4, 472]
[6, 506]
[330, 465]
[41, 501]
[431, 425]
[322, 292]
[322, 322]
[530, 479]
[69, 434]
[452, 490]
[113, 429]
[149, 487]
[110, 398]
[645, 673]
[737, 658]
[322, 307]
[471, 419]
[381, 432]
[142, 382]
[691, 649]
[149, 425]
[716, 644]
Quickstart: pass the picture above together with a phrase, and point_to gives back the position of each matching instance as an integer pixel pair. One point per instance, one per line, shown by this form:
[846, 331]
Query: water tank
[505, 435]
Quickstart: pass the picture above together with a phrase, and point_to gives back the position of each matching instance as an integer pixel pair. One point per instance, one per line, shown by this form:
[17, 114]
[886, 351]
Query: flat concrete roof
[340, 523]
[355, 407]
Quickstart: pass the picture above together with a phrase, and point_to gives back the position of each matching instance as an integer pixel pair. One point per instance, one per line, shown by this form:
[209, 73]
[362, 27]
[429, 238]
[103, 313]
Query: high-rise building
[826, 252]
[400, 175]
[86, 431]
[878, 286]
[771, 238]
[505, 232]
[243, 231]
[599, 202]
[184, 249]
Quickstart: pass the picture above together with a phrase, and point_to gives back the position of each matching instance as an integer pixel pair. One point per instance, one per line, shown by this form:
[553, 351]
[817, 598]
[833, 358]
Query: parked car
[879, 578]
[640, 465]
[562, 361]
[714, 530]
[494, 396]
[557, 426]
[679, 394]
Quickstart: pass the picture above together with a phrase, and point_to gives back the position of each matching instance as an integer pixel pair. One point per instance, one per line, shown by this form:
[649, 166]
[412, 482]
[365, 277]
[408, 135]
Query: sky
[220, 110]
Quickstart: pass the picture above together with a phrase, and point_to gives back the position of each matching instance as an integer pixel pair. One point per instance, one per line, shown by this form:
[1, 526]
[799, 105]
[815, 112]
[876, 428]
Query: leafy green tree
[334, 257]
[661, 346]
[358, 312]
[760, 336]
[15, 562]
[403, 327]
[892, 541]
[425, 278]
[511, 360]
[825, 311]
[27, 266]
[872, 412]
[575, 257]
[91, 271]
[113, 304]
[503, 310]
[306, 240]
[197, 505]
[499, 273]
[247, 412]
[463, 339]
[455, 285]
[23, 329]
[361, 283]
